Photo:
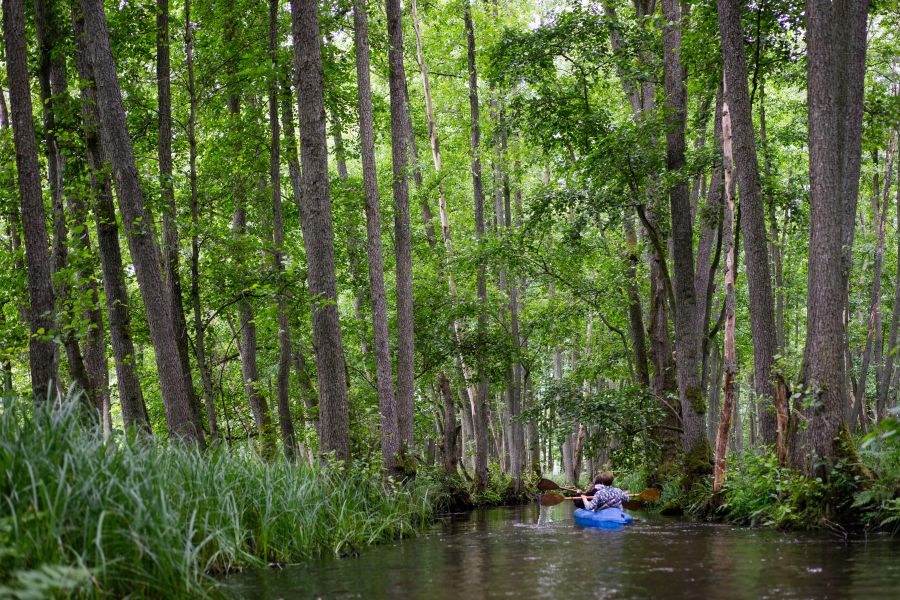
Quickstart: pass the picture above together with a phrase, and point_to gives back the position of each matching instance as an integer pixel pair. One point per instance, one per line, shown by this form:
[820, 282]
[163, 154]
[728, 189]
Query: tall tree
[170, 250]
[134, 411]
[199, 325]
[139, 227]
[402, 233]
[728, 402]
[836, 48]
[285, 423]
[480, 408]
[318, 236]
[41, 347]
[753, 225]
[246, 334]
[693, 407]
[390, 434]
[53, 87]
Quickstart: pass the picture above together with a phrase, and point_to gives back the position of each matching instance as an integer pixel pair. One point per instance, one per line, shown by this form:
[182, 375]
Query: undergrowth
[87, 517]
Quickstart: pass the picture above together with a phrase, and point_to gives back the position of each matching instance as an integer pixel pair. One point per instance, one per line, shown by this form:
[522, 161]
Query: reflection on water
[535, 552]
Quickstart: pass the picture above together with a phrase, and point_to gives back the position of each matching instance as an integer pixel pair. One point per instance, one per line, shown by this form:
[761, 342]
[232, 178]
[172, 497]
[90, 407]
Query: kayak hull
[608, 518]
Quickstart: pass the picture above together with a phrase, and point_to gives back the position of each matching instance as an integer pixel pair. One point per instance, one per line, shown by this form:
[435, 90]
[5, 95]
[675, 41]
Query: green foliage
[880, 500]
[759, 492]
[134, 517]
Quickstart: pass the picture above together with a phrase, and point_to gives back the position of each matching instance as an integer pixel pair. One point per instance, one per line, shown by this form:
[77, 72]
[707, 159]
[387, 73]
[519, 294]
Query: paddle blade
[545, 485]
[551, 499]
[649, 495]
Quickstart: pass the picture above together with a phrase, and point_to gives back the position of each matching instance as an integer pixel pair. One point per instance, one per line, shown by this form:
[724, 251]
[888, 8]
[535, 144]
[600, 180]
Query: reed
[88, 517]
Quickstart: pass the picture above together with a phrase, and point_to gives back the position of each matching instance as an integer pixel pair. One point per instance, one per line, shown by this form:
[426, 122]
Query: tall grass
[129, 517]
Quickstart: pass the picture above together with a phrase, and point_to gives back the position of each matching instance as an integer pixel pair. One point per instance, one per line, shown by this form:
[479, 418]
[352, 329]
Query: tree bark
[139, 228]
[860, 415]
[887, 373]
[390, 434]
[285, 422]
[753, 222]
[481, 405]
[836, 42]
[693, 407]
[402, 233]
[731, 367]
[41, 347]
[199, 325]
[247, 346]
[170, 250]
[134, 411]
[318, 236]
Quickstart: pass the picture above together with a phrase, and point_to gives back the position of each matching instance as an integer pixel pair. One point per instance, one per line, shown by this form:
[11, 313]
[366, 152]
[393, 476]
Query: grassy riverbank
[862, 491]
[78, 514]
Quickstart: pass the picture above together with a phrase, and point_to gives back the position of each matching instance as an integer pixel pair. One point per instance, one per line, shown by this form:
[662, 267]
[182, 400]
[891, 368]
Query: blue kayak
[608, 518]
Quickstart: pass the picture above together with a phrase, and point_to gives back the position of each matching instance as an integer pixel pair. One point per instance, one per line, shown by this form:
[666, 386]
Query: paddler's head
[604, 478]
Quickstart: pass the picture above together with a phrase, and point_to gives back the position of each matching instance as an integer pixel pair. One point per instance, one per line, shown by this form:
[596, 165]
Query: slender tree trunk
[860, 415]
[693, 407]
[481, 404]
[443, 210]
[836, 42]
[887, 373]
[53, 88]
[139, 227]
[247, 345]
[134, 411]
[448, 446]
[318, 236]
[199, 326]
[728, 403]
[402, 234]
[635, 312]
[171, 267]
[41, 347]
[753, 222]
[285, 423]
[390, 434]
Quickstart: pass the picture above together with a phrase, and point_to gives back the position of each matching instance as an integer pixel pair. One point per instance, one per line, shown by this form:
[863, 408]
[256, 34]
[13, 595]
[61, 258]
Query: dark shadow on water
[520, 552]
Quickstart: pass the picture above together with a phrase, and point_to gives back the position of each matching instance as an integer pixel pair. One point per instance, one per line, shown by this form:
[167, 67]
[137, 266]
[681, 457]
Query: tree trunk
[860, 415]
[635, 312]
[199, 326]
[139, 228]
[481, 405]
[444, 213]
[134, 411]
[731, 367]
[693, 407]
[170, 213]
[448, 444]
[402, 234]
[318, 236]
[390, 434]
[753, 222]
[887, 373]
[247, 332]
[836, 42]
[41, 347]
[285, 422]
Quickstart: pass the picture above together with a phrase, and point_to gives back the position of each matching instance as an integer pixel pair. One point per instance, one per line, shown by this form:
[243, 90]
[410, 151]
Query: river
[505, 553]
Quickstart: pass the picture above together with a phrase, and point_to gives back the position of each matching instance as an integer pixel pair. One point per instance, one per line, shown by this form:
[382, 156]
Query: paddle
[545, 485]
[648, 495]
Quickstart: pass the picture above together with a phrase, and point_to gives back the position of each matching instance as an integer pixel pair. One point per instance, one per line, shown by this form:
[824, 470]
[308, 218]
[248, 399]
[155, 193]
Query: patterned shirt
[606, 496]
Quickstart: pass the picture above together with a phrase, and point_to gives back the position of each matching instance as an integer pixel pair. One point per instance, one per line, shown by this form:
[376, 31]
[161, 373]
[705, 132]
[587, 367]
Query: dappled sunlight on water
[538, 552]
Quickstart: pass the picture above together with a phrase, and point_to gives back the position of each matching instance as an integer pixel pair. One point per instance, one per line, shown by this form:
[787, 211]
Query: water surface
[505, 553]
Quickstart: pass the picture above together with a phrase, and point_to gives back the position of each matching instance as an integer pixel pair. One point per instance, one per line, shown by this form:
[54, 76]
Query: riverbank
[861, 492]
[84, 516]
